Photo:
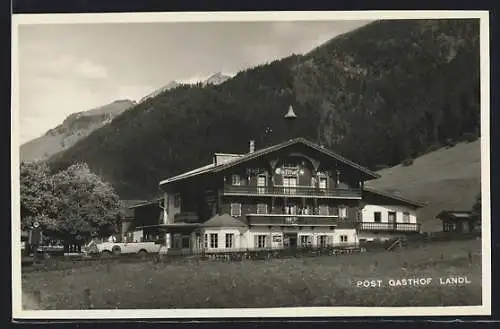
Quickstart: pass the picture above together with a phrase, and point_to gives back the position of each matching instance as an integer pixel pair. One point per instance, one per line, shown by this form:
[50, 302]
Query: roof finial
[290, 114]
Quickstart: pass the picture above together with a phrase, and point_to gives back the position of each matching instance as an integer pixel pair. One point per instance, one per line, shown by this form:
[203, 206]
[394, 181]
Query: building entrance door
[290, 240]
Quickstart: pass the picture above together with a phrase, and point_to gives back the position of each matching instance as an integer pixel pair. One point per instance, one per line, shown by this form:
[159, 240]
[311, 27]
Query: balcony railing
[299, 191]
[389, 227]
[319, 220]
[299, 220]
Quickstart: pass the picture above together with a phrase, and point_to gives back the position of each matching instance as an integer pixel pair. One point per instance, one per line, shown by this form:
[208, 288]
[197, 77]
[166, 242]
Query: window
[205, 240]
[322, 182]
[177, 201]
[322, 241]
[323, 210]
[359, 216]
[229, 240]
[261, 183]
[262, 208]
[236, 180]
[343, 238]
[214, 240]
[377, 216]
[261, 241]
[406, 217]
[305, 240]
[342, 212]
[235, 209]
[290, 183]
[391, 217]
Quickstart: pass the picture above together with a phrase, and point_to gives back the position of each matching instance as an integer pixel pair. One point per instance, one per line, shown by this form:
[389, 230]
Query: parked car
[108, 248]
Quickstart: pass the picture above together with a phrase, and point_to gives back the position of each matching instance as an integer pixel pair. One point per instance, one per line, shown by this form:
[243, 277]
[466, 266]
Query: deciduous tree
[38, 202]
[87, 206]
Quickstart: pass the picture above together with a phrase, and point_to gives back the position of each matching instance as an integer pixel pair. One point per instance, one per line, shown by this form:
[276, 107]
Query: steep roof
[224, 220]
[249, 156]
[146, 203]
[455, 214]
[394, 196]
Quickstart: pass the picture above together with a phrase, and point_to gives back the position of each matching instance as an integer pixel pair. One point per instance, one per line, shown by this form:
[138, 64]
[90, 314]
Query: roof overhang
[213, 168]
[368, 173]
[147, 203]
[400, 198]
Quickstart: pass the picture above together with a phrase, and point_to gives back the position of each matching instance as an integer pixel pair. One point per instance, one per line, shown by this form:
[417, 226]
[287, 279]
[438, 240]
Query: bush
[407, 162]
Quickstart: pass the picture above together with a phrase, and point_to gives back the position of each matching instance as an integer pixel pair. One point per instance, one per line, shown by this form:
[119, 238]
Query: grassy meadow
[448, 178]
[315, 281]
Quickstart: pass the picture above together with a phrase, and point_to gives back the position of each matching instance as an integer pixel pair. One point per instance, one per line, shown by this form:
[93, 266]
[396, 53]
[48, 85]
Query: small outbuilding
[460, 221]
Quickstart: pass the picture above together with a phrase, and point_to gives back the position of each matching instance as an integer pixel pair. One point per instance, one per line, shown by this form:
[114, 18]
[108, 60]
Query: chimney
[252, 146]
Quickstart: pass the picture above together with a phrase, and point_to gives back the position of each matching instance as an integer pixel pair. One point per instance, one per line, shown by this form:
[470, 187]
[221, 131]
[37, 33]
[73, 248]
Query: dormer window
[236, 180]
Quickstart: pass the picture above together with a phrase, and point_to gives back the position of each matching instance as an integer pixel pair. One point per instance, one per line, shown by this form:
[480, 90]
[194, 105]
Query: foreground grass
[318, 281]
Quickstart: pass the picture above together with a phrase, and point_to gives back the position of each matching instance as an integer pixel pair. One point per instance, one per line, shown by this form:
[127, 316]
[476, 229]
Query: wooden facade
[290, 194]
[295, 181]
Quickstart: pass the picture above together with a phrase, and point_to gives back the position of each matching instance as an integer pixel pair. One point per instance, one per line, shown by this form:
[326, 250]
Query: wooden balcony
[298, 220]
[299, 191]
[389, 227]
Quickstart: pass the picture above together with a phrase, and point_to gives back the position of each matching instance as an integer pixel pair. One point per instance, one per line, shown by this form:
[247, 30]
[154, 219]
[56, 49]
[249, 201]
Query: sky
[68, 68]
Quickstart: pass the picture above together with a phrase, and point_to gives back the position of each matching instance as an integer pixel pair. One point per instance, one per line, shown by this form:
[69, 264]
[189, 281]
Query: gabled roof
[146, 203]
[394, 196]
[455, 214]
[249, 156]
[224, 220]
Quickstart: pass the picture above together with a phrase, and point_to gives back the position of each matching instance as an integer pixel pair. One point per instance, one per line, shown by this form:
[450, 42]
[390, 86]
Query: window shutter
[268, 242]
[256, 241]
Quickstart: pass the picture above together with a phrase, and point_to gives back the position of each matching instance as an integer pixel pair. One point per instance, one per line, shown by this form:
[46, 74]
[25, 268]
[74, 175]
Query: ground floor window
[343, 238]
[260, 241]
[205, 240]
[229, 240]
[406, 217]
[305, 240]
[322, 241]
[214, 240]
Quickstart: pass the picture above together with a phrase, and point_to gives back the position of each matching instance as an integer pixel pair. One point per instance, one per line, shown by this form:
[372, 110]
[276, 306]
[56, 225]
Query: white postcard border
[294, 312]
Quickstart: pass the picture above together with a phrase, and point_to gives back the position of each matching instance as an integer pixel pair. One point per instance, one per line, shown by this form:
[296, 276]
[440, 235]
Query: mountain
[74, 128]
[216, 79]
[382, 94]
[447, 179]
[167, 87]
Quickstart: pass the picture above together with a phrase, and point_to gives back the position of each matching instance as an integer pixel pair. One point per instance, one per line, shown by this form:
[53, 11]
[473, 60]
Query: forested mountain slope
[380, 94]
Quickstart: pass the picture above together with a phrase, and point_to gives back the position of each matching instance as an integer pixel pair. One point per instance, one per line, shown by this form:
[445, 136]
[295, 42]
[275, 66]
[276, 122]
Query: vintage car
[109, 248]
